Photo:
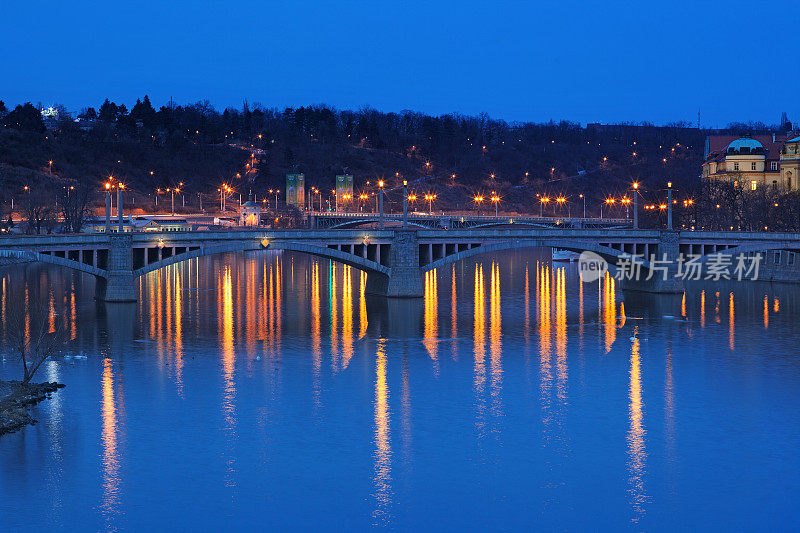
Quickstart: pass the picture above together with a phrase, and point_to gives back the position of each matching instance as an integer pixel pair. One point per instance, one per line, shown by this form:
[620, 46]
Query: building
[249, 214]
[344, 190]
[296, 190]
[754, 162]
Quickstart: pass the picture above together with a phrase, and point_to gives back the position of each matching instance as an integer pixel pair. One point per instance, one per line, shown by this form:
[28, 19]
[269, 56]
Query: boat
[566, 256]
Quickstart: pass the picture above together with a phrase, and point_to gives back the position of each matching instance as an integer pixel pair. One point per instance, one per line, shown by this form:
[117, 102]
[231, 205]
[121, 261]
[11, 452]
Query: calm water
[267, 390]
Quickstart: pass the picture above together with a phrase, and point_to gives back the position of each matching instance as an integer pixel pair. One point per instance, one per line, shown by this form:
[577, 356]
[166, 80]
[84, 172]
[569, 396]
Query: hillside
[451, 156]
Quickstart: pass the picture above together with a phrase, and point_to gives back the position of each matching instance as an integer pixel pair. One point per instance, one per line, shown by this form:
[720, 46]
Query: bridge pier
[405, 276]
[664, 280]
[118, 285]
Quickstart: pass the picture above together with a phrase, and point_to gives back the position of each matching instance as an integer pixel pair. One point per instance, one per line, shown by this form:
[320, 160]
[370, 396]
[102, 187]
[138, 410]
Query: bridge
[341, 220]
[393, 258]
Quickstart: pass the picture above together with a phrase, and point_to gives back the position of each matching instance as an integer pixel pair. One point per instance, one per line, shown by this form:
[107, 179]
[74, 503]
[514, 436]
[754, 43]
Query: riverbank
[19, 397]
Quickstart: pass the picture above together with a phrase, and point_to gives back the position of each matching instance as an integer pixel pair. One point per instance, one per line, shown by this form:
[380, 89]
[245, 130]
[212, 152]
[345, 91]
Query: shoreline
[14, 413]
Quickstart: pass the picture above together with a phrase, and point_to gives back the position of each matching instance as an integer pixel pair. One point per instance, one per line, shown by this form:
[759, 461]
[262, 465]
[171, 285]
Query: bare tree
[73, 203]
[33, 333]
[39, 211]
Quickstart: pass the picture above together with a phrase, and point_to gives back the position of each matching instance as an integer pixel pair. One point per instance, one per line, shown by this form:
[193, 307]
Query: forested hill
[455, 157]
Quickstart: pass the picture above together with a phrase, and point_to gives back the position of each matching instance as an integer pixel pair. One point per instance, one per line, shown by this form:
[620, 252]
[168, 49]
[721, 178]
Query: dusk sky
[606, 61]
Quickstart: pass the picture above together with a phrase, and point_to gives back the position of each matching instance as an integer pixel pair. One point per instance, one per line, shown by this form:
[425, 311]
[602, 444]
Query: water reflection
[553, 368]
[383, 448]
[431, 333]
[111, 458]
[636, 433]
[479, 347]
[228, 355]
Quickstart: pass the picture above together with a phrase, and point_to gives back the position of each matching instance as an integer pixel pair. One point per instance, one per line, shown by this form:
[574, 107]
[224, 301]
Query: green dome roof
[745, 142]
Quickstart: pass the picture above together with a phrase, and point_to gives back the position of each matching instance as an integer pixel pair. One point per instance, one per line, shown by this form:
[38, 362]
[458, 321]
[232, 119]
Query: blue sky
[606, 61]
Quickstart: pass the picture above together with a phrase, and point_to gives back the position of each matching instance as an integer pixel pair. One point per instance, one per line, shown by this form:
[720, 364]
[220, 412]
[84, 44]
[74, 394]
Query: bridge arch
[358, 222]
[609, 254]
[40, 257]
[315, 250]
[752, 248]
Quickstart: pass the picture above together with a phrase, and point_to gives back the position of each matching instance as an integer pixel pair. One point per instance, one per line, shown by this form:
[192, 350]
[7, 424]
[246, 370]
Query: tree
[88, 114]
[143, 111]
[108, 111]
[25, 118]
[3, 109]
[33, 333]
[37, 208]
[74, 205]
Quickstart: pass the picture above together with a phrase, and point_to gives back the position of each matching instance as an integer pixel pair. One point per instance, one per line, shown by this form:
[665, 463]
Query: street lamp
[172, 192]
[405, 202]
[560, 202]
[542, 201]
[495, 200]
[478, 201]
[430, 198]
[669, 205]
[626, 202]
[609, 202]
[582, 197]
[380, 198]
[108, 206]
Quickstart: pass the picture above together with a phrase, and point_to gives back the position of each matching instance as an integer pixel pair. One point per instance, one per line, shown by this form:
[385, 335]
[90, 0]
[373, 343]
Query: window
[790, 259]
[773, 165]
[736, 166]
[753, 165]
[777, 258]
[753, 185]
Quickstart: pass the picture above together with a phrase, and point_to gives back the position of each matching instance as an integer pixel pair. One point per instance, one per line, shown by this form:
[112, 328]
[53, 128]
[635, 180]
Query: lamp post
[478, 201]
[172, 192]
[496, 202]
[635, 205]
[120, 186]
[542, 201]
[277, 192]
[430, 198]
[669, 205]
[405, 203]
[108, 207]
[582, 197]
[50, 168]
[380, 202]
[609, 202]
[560, 202]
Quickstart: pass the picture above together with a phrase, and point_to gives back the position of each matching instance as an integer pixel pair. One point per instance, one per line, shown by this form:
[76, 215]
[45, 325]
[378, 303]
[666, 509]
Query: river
[267, 390]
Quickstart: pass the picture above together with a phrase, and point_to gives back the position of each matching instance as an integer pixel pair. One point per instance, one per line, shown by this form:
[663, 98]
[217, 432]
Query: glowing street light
[542, 201]
[495, 200]
[478, 201]
[381, 183]
[560, 201]
[430, 198]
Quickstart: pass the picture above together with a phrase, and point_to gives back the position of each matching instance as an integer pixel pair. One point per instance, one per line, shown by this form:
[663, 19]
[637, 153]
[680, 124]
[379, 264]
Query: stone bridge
[342, 220]
[394, 258]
